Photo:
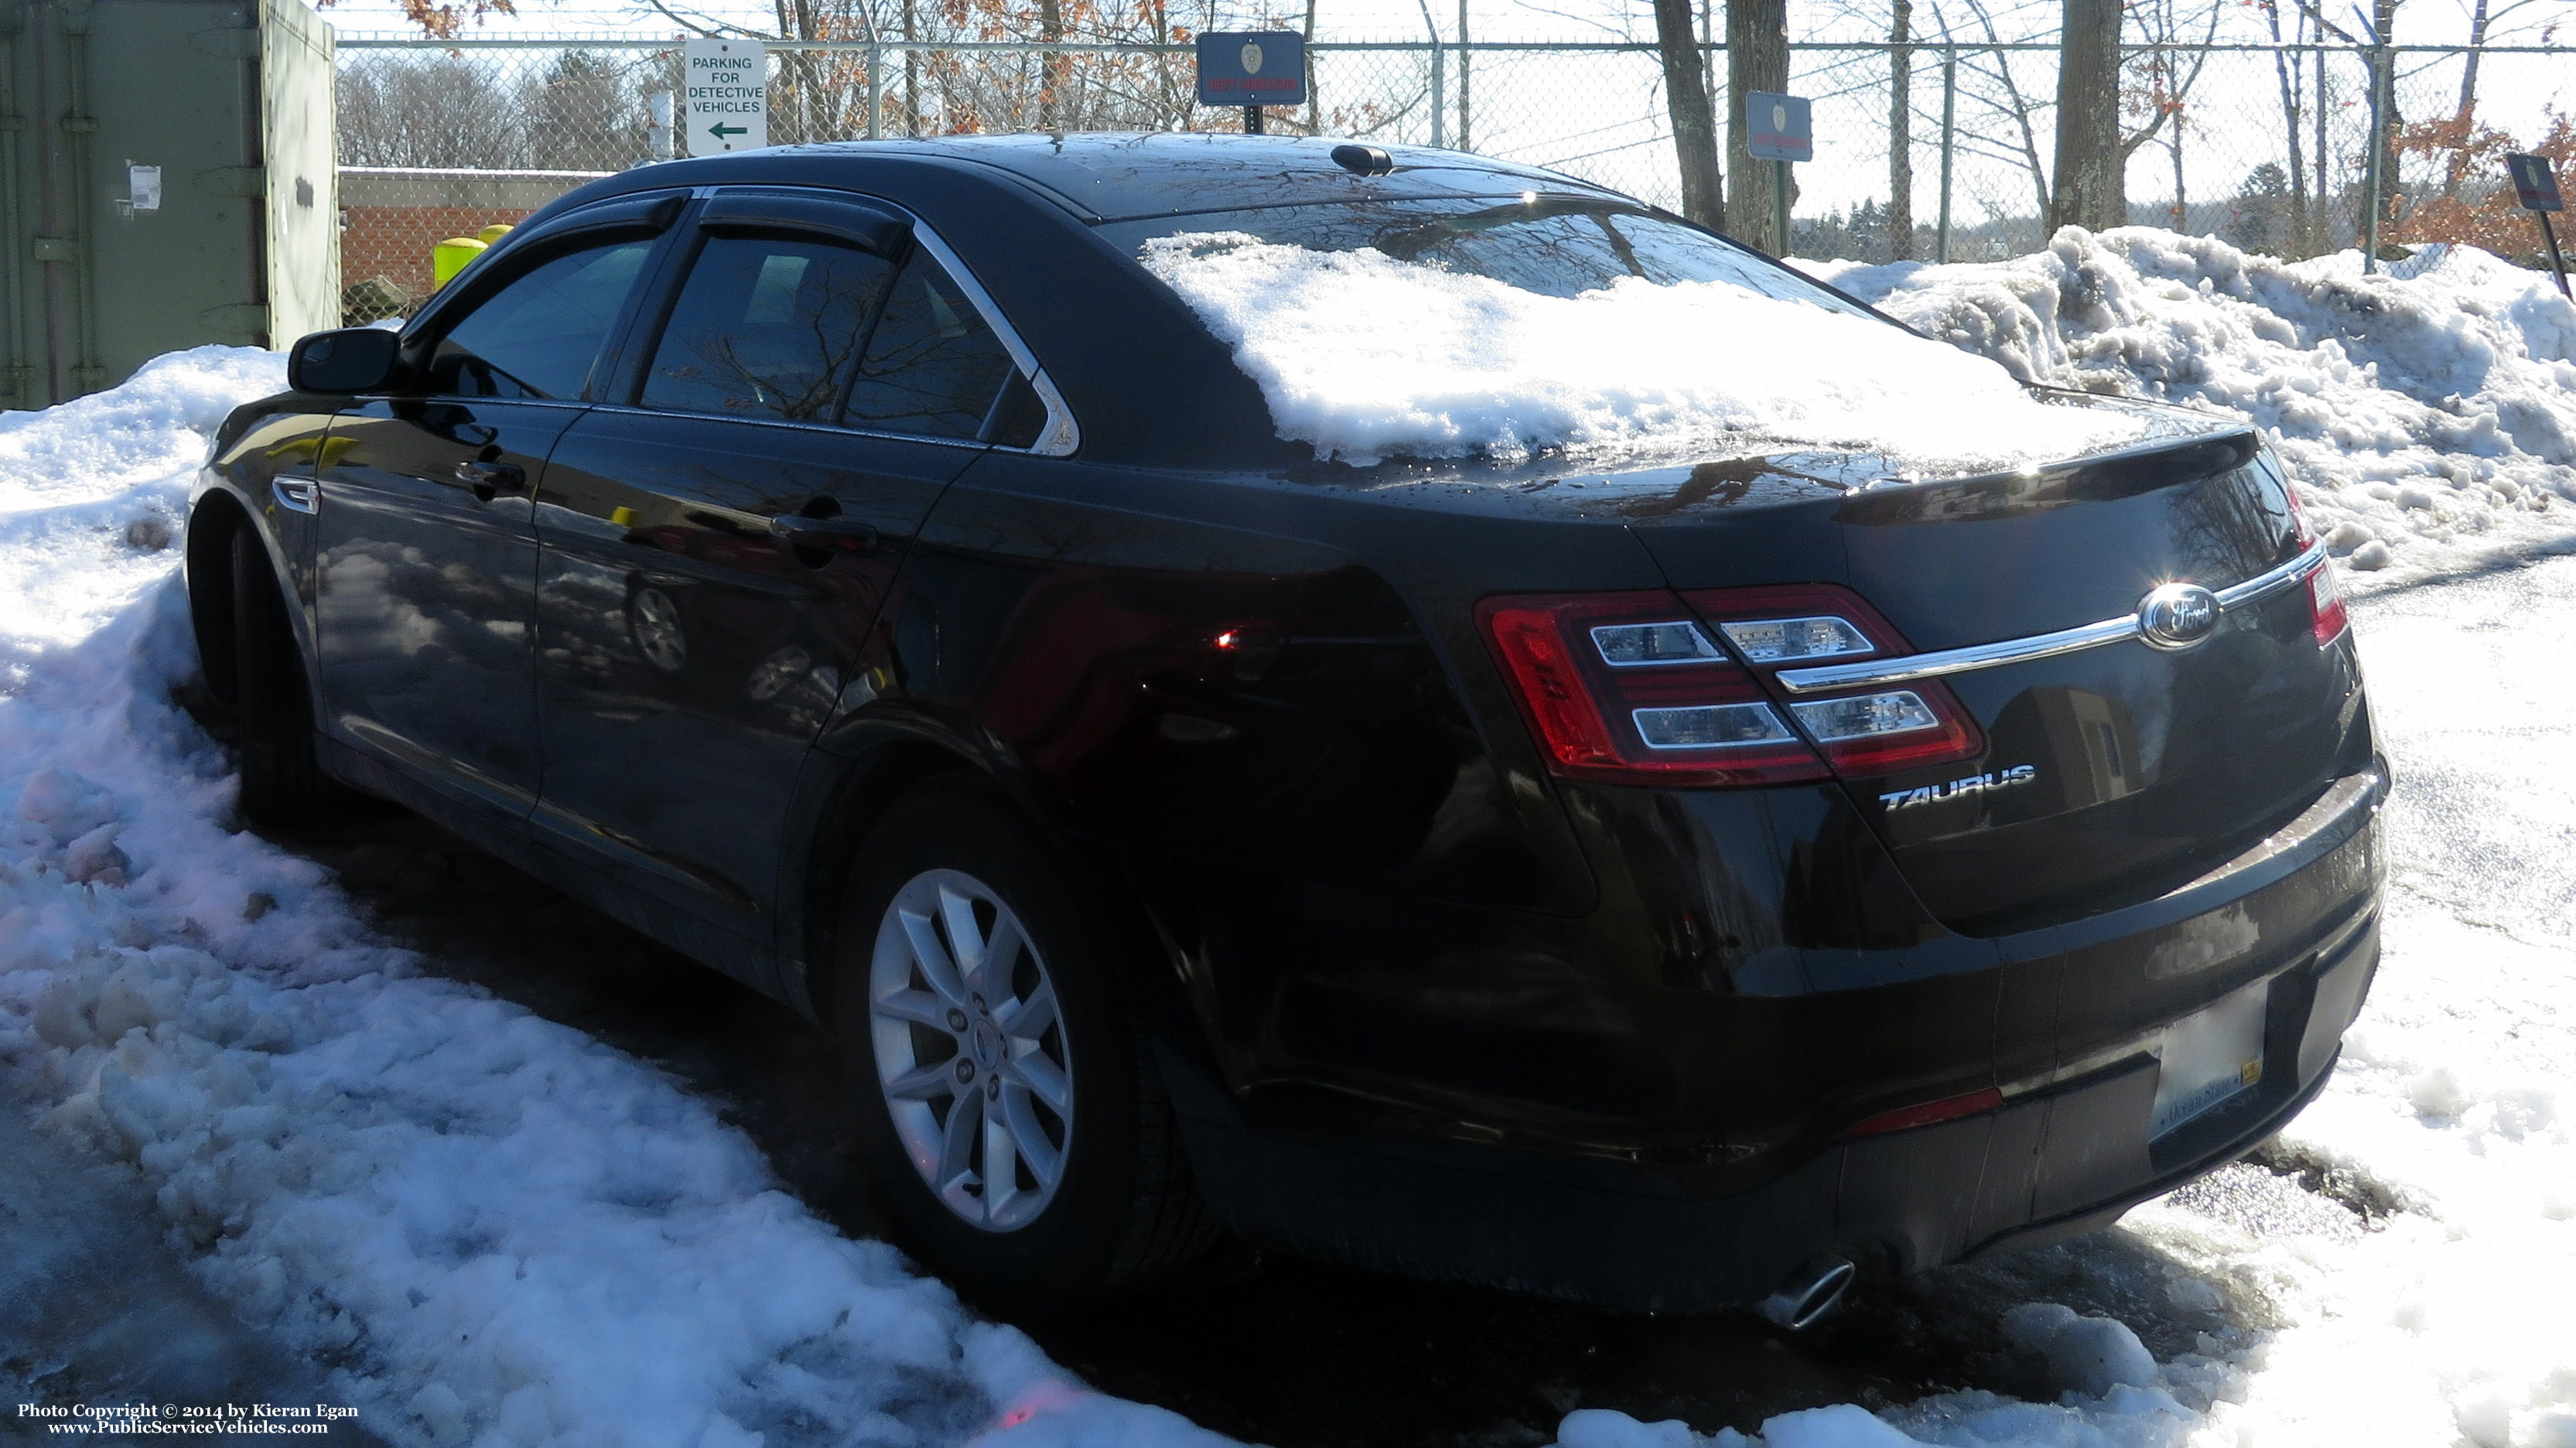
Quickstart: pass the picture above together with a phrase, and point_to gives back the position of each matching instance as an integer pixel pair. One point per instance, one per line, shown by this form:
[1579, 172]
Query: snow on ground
[2429, 409]
[496, 1230]
[1364, 356]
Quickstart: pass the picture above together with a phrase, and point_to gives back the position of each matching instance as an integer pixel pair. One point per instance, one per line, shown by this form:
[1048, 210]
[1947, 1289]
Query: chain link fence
[2264, 146]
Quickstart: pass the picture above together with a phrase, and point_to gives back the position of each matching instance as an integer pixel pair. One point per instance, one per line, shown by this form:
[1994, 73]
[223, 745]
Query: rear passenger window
[539, 334]
[766, 327]
[932, 368]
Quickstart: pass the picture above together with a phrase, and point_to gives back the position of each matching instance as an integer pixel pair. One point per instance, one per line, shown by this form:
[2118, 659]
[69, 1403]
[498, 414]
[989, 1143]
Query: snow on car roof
[1363, 357]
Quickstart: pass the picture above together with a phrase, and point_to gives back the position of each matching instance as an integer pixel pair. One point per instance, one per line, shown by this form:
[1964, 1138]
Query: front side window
[932, 368]
[767, 327]
[539, 335]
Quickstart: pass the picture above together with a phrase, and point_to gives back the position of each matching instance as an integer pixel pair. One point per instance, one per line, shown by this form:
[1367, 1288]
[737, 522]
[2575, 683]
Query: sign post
[2536, 186]
[726, 96]
[1252, 69]
[1780, 130]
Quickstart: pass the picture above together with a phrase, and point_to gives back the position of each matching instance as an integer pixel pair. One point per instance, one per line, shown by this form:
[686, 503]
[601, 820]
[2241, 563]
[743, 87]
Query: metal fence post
[1439, 70]
[1949, 135]
[2378, 148]
[1465, 58]
[1439, 102]
[876, 100]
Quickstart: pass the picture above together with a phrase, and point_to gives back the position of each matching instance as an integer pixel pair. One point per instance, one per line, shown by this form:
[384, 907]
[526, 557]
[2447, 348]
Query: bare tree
[439, 110]
[2162, 73]
[1900, 133]
[1693, 115]
[1995, 86]
[2287, 68]
[2483, 19]
[1757, 59]
[2088, 184]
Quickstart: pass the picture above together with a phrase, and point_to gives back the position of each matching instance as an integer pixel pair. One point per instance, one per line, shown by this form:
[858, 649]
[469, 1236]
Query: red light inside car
[1860, 731]
[1628, 688]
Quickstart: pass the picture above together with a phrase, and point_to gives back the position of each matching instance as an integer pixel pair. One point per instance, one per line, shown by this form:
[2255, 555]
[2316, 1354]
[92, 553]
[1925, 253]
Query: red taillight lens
[1860, 732]
[2326, 614]
[2325, 605]
[1627, 688]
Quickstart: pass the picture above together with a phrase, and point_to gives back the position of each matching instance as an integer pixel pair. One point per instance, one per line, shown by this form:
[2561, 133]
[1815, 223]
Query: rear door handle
[847, 535]
[489, 479]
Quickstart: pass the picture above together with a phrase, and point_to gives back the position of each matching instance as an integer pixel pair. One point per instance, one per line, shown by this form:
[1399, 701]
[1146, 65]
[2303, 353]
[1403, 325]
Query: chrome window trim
[2257, 589]
[1061, 437]
[833, 428]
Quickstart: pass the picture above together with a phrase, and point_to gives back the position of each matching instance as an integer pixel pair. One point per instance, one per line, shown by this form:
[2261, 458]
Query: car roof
[1111, 176]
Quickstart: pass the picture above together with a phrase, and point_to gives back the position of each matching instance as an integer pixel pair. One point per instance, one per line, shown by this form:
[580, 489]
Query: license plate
[2209, 1057]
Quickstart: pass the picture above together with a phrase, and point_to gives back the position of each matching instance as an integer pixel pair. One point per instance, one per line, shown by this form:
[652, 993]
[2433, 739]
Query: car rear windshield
[1558, 246]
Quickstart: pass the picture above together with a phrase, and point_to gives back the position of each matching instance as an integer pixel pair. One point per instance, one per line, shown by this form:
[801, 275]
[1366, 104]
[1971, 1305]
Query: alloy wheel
[970, 1050]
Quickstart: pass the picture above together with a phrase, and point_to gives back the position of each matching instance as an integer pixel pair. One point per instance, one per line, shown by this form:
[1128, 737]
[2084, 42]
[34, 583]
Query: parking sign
[2534, 183]
[726, 100]
[1777, 127]
[1252, 68]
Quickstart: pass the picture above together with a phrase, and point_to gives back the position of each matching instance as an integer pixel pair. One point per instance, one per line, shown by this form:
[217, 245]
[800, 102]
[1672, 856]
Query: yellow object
[450, 257]
[493, 233]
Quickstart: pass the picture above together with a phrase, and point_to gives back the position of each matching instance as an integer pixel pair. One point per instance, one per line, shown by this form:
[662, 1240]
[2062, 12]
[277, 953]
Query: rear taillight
[2326, 615]
[1627, 688]
[2327, 618]
[1866, 732]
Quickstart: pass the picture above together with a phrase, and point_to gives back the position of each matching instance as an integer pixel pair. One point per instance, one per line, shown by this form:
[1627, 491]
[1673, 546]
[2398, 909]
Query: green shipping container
[166, 181]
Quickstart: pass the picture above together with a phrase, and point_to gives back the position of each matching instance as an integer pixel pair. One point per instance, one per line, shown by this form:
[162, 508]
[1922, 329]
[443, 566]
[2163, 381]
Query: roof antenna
[1362, 160]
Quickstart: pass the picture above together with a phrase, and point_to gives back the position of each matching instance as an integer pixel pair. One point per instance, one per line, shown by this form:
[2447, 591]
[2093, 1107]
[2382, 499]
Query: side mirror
[352, 359]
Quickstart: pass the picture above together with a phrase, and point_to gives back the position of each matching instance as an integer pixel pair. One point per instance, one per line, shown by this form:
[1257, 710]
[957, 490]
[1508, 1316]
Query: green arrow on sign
[720, 130]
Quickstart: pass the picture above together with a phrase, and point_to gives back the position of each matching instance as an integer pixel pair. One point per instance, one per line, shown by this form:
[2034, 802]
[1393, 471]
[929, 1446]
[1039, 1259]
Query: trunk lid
[2106, 775]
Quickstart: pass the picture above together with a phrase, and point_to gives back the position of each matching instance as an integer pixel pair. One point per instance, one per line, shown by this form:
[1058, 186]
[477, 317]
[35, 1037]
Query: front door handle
[490, 479]
[845, 535]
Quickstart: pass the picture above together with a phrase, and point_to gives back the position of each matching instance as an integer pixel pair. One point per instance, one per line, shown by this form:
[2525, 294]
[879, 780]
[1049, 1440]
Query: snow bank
[1363, 356]
[499, 1231]
[2429, 409]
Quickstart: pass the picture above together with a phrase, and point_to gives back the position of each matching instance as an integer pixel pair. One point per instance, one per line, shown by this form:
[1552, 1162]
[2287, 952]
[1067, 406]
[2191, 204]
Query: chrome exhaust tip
[1811, 1292]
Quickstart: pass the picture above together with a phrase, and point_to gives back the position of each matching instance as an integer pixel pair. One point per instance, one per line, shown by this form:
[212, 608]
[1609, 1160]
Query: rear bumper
[2067, 1151]
[2048, 1165]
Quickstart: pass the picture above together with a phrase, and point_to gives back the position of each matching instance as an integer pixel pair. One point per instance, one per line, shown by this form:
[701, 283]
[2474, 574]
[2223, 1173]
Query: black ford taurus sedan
[1664, 883]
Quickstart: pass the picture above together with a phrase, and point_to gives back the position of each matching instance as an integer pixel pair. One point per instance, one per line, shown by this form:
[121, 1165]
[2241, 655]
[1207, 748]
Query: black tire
[282, 783]
[1124, 1213]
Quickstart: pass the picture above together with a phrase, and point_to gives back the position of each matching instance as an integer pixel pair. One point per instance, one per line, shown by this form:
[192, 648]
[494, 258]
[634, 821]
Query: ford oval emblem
[2177, 616]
